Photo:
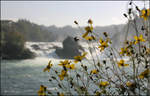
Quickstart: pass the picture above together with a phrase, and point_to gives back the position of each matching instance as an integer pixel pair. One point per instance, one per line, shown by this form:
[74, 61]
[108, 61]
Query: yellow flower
[61, 94]
[48, 67]
[72, 66]
[94, 71]
[145, 13]
[101, 40]
[144, 74]
[103, 43]
[89, 38]
[98, 93]
[63, 74]
[85, 34]
[104, 83]
[122, 64]
[138, 39]
[42, 91]
[130, 84]
[103, 46]
[41, 94]
[64, 63]
[108, 40]
[67, 64]
[131, 43]
[90, 21]
[61, 77]
[93, 37]
[79, 58]
[89, 29]
[123, 51]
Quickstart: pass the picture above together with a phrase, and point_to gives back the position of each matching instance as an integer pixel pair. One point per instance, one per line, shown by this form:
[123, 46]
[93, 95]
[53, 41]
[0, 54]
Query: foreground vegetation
[113, 75]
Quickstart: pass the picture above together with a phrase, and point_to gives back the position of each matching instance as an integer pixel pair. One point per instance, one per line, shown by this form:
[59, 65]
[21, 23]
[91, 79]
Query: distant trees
[32, 32]
[12, 43]
[29, 30]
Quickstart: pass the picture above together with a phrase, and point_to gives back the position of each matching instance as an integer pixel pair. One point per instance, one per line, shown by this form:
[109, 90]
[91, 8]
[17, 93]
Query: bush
[12, 44]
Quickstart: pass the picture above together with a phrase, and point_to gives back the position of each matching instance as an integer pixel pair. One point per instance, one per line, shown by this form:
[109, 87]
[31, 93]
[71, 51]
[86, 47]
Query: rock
[70, 49]
[26, 54]
[36, 47]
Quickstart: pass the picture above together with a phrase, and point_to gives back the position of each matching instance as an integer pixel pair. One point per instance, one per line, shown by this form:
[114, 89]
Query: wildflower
[104, 83]
[131, 43]
[89, 29]
[63, 74]
[90, 21]
[108, 40]
[123, 51]
[98, 93]
[144, 74]
[138, 39]
[101, 40]
[85, 34]
[89, 38]
[103, 45]
[48, 67]
[72, 66]
[64, 63]
[122, 64]
[145, 13]
[94, 71]
[61, 94]
[93, 37]
[79, 58]
[130, 84]
[42, 91]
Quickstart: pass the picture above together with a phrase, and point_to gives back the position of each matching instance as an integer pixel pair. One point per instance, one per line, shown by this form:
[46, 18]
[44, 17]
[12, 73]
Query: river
[24, 77]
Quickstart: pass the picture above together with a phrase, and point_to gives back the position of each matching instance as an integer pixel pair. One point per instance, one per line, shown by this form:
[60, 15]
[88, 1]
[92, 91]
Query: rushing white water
[24, 77]
[47, 49]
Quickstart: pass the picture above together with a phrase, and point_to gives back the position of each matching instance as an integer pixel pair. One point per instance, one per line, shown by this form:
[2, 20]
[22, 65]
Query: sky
[63, 13]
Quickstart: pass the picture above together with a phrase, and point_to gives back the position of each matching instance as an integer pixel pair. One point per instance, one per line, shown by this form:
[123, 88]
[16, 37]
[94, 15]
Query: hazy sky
[62, 13]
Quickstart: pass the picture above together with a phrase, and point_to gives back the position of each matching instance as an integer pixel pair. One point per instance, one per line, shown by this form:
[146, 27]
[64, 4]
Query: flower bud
[125, 15]
[76, 22]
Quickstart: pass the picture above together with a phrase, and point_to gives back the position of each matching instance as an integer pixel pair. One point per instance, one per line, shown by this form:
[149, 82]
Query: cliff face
[69, 50]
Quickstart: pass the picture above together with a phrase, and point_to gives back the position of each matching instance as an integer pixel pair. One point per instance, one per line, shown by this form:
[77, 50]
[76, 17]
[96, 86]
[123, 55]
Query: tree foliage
[12, 42]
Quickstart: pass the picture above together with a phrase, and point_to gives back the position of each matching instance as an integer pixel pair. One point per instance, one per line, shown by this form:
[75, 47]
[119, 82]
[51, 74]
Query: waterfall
[44, 49]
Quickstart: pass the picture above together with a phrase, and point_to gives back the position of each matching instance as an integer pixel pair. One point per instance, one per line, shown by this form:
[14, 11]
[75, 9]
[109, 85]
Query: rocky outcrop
[70, 49]
[36, 47]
